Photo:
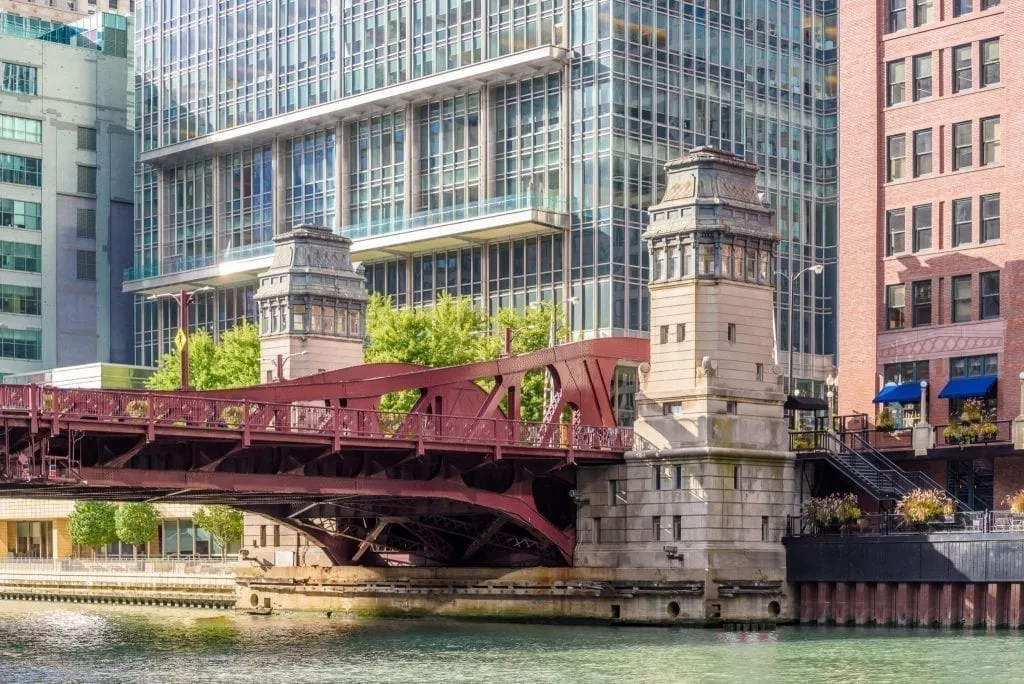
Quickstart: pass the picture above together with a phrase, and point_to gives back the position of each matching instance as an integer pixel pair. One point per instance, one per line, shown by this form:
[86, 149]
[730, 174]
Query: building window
[20, 256]
[990, 140]
[18, 214]
[895, 232]
[923, 12]
[672, 408]
[989, 4]
[18, 78]
[989, 285]
[731, 407]
[263, 535]
[21, 129]
[922, 152]
[730, 332]
[895, 306]
[962, 222]
[86, 223]
[961, 310]
[736, 480]
[677, 528]
[962, 7]
[963, 144]
[663, 334]
[973, 366]
[962, 75]
[21, 344]
[657, 477]
[990, 62]
[87, 179]
[86, 264]
[17, 299]
[616, 494]
[897, 15]
[896, 154]
[759, 372]
[86, 138]
[989, 217]
[277, 535]
[922, 77]
[20, 170]
[907, 371]
[922, 227]
[680, 332]
[656, 527]
[597, 530]
[921, 303]
[896, 82]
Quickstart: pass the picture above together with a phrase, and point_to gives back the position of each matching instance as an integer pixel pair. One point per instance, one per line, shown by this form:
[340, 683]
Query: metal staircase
[872, 471]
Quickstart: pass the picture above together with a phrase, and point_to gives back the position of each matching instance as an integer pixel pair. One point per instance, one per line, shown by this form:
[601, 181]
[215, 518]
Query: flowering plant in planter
[922, 505]
[834, 509]
[1016, 501]
[136, 408]
[885, 421]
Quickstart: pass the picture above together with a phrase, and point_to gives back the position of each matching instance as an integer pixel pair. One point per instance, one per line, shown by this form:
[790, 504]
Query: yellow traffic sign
[179, 339]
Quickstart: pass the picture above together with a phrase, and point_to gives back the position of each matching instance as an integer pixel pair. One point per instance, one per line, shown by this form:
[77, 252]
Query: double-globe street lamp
[818, 269]
[185, 298]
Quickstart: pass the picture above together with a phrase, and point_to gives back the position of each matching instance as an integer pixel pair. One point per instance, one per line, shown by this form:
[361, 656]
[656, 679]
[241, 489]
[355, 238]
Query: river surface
[46, 642]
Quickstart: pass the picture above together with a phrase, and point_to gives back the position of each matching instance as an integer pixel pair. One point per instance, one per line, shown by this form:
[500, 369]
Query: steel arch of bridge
[453, 481]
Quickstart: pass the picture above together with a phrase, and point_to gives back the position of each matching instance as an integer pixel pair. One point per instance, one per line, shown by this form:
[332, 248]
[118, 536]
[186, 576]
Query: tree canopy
[136, 523]
[234, 362]
[224, 524]
[453, 332]
[91, 523]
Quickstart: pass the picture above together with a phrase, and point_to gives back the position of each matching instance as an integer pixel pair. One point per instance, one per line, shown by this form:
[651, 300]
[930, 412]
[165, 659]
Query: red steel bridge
[452, 482]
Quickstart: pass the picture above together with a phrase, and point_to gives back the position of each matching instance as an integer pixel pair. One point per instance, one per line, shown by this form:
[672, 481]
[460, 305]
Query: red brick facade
[866, 194]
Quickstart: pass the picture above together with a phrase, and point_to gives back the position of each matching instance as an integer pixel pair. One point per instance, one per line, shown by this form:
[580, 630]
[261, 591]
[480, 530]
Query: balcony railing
[359, 231]
[180, 264]
[888, 524]
[462, 212]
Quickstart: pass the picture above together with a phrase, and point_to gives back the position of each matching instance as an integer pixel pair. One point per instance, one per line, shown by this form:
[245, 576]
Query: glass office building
[503, 150]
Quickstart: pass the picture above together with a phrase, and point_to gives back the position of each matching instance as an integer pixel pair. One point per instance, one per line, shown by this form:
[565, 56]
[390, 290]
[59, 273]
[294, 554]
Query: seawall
[556, 594]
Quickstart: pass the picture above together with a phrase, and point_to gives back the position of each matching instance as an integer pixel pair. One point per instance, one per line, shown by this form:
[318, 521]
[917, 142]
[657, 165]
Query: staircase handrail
[890, 476]
[924, 480]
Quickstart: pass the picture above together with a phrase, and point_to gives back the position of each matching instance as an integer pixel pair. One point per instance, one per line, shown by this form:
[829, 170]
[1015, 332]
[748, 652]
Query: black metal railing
[888, 524]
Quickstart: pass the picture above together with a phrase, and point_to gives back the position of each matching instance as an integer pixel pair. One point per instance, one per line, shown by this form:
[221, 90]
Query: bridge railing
[166, 410]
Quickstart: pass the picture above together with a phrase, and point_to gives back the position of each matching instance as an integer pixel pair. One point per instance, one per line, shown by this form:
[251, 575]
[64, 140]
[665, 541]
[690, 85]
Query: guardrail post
[150, 423]
[33, 407]
[336, 419]
[245, 423]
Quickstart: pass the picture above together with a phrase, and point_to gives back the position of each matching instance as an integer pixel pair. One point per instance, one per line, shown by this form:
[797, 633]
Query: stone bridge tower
[710, 483]
[312, 305]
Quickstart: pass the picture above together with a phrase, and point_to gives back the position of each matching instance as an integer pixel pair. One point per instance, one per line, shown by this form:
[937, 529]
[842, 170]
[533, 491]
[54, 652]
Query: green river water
[48, 642]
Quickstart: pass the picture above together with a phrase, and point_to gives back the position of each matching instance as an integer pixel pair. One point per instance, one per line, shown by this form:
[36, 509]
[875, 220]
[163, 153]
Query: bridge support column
[863, 595]
[843, 604]
[926, 596]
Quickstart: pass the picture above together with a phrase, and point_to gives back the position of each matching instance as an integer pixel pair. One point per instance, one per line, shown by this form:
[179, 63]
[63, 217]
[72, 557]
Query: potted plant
[1016, 502]
[232, 416]
[921, 506]
[988, 431]
[885, 422]
[830, 513]
[800, 441]
[957, 433]
[136, 408]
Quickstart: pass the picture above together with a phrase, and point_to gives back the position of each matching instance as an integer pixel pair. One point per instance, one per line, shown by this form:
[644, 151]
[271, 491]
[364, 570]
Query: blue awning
[899, 394]
[965, 388]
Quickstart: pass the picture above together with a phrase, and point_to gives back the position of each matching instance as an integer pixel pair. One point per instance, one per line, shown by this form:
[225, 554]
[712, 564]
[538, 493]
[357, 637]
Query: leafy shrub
[136, 408]
[885, 421]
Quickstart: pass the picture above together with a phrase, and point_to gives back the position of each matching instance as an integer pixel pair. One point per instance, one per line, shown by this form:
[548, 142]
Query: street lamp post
[818, 270]
[279, 363]
[184, 299]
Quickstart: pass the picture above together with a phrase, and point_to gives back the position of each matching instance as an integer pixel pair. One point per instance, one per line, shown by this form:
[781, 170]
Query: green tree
[91, 523]
[224, 524]
[234, 362]
[454, 332]
[136, 523]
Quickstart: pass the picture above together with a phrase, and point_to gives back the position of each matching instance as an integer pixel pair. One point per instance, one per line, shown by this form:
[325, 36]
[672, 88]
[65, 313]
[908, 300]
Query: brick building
[929, 201]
